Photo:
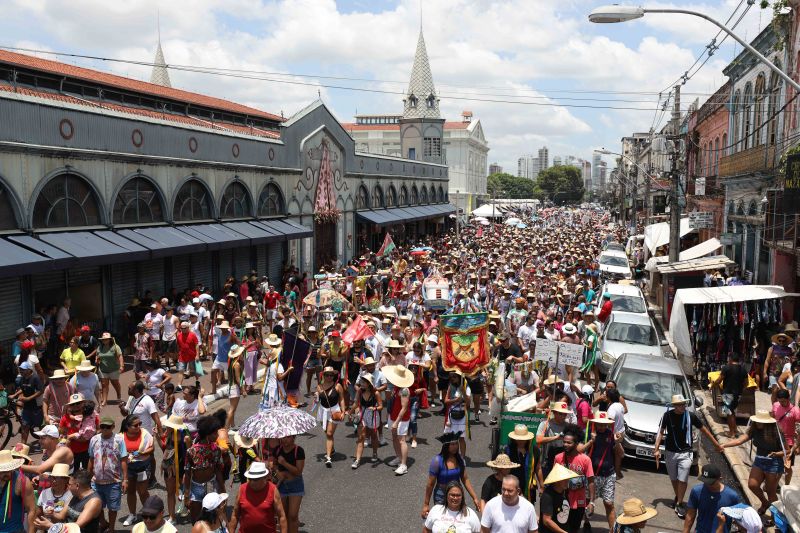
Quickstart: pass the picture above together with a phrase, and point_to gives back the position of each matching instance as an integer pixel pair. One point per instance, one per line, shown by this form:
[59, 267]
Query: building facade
[495, 168]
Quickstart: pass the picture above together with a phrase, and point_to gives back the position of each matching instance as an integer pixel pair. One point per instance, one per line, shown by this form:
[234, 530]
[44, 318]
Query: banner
[295, 352]
[509, 419]
[387, 247]
[569, 354]
[465, 348]
[356, 331]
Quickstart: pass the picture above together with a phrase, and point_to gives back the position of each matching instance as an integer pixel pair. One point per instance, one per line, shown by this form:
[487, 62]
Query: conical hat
[559, 473]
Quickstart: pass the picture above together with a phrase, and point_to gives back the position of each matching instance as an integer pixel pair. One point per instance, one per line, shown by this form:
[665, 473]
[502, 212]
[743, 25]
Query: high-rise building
[586, 173]
[601, 175]
[494, 168]
[544, 158]
[528, 167]
[557, 161]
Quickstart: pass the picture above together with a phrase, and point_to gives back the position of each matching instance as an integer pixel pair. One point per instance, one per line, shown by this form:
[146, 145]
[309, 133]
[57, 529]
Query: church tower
[422, 128]
[160, 74]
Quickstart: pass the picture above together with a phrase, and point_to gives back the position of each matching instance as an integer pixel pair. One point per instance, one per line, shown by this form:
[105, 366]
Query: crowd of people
[538, 282]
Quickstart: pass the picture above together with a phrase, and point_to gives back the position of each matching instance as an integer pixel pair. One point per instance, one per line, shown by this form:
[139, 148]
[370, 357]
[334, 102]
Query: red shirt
[187, 346]
[256, 511]
[271, 300]
[581, 465]
[397, 405]
[68, 426]
[605, 311]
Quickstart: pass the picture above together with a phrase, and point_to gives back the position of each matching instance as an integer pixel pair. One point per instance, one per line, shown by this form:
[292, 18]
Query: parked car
[627, 333]
[614, 265]
[647, 384]
[614, 247]
[626, 298]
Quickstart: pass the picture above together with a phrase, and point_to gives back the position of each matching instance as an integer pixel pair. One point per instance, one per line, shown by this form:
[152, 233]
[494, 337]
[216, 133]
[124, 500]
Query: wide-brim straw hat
[393, 343]
[60, 470]
[236, 351]
[502, 461]
[552, 380]
[781, 337]
[21, 450]
[569, 329]
[330, 370]
[791, 327]
[398, 375]
[601, 417]
[85, 366]
[560, 407]
[762, 417]
[76, 398]
[634, 511]
[274, 340]
[521, 432]
[59, 374]
[678, 399]
[368, 378]
[243, 442]
[8, 462]
[559, 473]
[174, 422]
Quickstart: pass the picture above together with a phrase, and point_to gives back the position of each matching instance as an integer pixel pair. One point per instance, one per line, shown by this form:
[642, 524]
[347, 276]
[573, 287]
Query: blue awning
[289, 230]
[17, 260]
[376, 216]
[164, 241]
[92, 249]
[256, 233]
[61, 258]
[216, 236]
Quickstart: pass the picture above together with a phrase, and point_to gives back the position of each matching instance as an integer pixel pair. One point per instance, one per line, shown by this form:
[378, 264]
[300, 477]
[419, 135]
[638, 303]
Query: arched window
[270, 201]
[700, 152]
[66, 200]
[740, 208]
[403, 196]
[735, 134]
[432, 195]
[193, 202]
[731, 208]
[715, 170]
[138, 202]
[752, 209]
[391, 197]
[747, 116]
[414, 195]
[423, 195]
[412, 100]
[758, 109]
[8, 220]
[235, 201]
[377, 197]
[772, 107]
[362, 199]
[724, 143]
[431, 101]
[441, 195]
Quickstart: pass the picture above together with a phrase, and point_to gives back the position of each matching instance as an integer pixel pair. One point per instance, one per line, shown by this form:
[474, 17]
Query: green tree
[561, 184]
[504, 185]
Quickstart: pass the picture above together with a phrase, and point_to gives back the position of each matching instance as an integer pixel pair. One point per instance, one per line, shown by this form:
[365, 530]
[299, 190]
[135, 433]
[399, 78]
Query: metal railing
[781, 231]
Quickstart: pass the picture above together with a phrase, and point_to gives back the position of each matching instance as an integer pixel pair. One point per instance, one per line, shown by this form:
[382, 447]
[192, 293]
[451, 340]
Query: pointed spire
[421, 100]
[160, 74]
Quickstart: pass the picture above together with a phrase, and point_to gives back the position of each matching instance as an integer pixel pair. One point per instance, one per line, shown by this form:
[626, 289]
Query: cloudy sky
[535, 72]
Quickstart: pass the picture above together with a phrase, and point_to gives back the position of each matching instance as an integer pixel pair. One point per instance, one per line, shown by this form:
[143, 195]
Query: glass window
[432, 147]
[441, 194]
[632, 333]
[138, 203]
[270, 201]
[235, 202]
[642, 386]
[66, 200]
[193, 202]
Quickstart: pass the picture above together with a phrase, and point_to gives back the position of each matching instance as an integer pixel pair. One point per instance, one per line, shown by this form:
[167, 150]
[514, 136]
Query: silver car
[627, 333]
[647, 384]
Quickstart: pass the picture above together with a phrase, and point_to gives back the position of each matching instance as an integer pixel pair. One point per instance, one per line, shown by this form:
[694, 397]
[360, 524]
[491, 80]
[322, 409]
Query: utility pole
[632, 230]
[649, 169]
[674, 208]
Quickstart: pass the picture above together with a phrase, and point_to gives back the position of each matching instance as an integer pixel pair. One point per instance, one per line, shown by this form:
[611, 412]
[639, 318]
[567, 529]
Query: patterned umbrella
[326, 298]
[277, 422]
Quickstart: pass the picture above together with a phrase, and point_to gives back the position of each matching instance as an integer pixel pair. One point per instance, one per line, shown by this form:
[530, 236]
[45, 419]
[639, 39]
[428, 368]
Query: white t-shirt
[525, 334]
[189, 412]
[617, 412]
[156, 320]
[144, 409]
[502, 518]
[423, 360]
[443, 520]
[57, 504]
[154, 377]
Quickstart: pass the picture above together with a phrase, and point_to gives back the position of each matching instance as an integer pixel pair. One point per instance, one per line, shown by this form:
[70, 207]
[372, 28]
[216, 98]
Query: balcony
[758, 159]
[781, 233]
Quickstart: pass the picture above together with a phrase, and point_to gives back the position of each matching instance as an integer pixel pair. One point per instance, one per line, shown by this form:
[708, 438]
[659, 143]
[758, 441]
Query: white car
[627, 333]
[614, 265]
[626, 298]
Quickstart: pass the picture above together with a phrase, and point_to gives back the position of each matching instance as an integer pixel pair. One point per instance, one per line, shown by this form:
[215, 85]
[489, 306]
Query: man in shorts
[602, 446]
[678, 424]
[733, 379]
[108, 463]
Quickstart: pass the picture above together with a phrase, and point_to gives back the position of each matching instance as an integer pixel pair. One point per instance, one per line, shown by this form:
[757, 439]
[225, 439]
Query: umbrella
[512, 221]
[479, 219]
[522, 226]
[419, 252]
[485, 223]
[326, 298]
[277, 422]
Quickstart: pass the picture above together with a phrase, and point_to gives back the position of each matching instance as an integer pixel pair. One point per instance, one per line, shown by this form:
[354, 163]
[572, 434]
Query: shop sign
[731, 239]
[701, 219]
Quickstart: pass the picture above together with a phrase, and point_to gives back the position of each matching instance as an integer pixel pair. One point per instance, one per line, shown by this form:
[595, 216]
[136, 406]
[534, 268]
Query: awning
[18, 261]
[216, 236]
[678, 323]
[288, 230]
[62, 258]
[656, 235]
[164, 241]
[488, 211]
[300, 231]
[704, 248]
[379, 217]
[92, 249]
[694, 265]
[256, 234]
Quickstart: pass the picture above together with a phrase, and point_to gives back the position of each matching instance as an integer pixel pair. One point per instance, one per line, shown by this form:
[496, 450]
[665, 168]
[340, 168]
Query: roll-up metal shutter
[84, 276]
[275, 257]
[241, 261]
[11, 308]
[123, 288]
[225, 266]
[48, 288]
[181, 272]
[201, 270]
[152, 277]
[261, 260]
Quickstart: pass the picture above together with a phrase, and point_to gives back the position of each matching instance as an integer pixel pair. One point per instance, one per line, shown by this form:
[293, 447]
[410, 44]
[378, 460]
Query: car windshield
[649, 387]
[613, 260]
[615, 246]
[632, 333]
[629, 304]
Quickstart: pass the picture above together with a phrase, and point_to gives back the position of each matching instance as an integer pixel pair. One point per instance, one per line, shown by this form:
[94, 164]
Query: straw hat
[778, 337]
[369, 361]
[224, 325]
[560, 407]
[249, 325]
[502, 461]
[552, 380]
[106, 336]
[398, 375]
[76, 398]
[274, 340]
[59, 374]
[173, 422]
[791, 327]
[368, 378]
[762, 417]
[8, 462]
[559, 473]
[634, 511]
[236, 351]
[393, 343]
[243, 442]
[21, 451]
[678, 399]
[330, 370]
[601, 417]
[569, 329]
[521, 432]
[85, 366]
[60, 470]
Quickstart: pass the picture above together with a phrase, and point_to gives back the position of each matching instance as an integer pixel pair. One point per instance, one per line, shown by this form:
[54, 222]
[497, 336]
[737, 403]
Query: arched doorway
[324, 243]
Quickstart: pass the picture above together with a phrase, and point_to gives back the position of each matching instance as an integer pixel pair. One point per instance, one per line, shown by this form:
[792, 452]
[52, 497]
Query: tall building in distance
[494, 168]
[557, 161]
[528, 167]
[586, 173]
[596, 160]
[544, 158]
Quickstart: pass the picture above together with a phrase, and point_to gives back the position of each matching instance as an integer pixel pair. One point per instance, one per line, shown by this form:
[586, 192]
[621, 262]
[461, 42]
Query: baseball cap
[153, 505]
[86, 329]
[25, 365]
[107, 421]
[212, 500]
[195, 300]
[48, 431]
[710, 474]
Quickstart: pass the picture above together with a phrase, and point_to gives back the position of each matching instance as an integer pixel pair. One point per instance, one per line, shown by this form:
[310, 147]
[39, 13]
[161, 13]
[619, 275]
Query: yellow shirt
[72, 359]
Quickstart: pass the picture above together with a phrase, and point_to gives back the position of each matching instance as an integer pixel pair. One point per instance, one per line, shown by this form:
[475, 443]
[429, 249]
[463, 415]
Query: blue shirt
[223, 347]
[708, 503]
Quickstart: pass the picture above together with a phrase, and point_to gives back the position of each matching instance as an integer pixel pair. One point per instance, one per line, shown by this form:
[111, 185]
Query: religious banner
[295, 352]
[466, 342]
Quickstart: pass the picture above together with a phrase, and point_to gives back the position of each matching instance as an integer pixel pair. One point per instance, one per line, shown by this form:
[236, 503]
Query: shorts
[476, 385]
[110, 494]
[729, 404]
[186, 366]
[198, 490]
[108, 375]
[678, 465]
[216, 365]
[292, 487]
[139, 476]
[769, 465]
[32, 418]
[170, 346]
[371, 418]
[402, 427]
[234, 392]
[270, 314]
[605, 487]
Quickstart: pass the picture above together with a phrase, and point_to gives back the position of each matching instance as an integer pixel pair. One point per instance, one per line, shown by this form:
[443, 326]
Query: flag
[465, 348]
[356, 331]
[295, 351]
[387, 247]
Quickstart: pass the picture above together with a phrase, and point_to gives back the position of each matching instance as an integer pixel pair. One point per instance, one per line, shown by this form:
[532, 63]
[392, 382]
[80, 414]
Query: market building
[111, 188]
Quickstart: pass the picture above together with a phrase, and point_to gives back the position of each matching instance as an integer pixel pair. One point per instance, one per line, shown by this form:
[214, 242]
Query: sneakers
[129, 521]
[414, 443]
[328, 463]
[680, 510]
[355, 464]
[493, 421]
[478, 416]
[394, 462]
[402, 469]
[375, 458]
[383, 442]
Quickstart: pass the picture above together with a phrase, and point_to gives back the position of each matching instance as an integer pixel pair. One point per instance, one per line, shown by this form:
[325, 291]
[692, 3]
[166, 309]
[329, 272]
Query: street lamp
[617, 13]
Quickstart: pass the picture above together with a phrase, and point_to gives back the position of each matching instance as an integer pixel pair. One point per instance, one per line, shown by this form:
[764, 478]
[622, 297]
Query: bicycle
[7, 416]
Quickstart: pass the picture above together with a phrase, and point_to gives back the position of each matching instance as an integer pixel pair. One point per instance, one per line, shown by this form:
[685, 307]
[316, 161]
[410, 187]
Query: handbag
[338, 416]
